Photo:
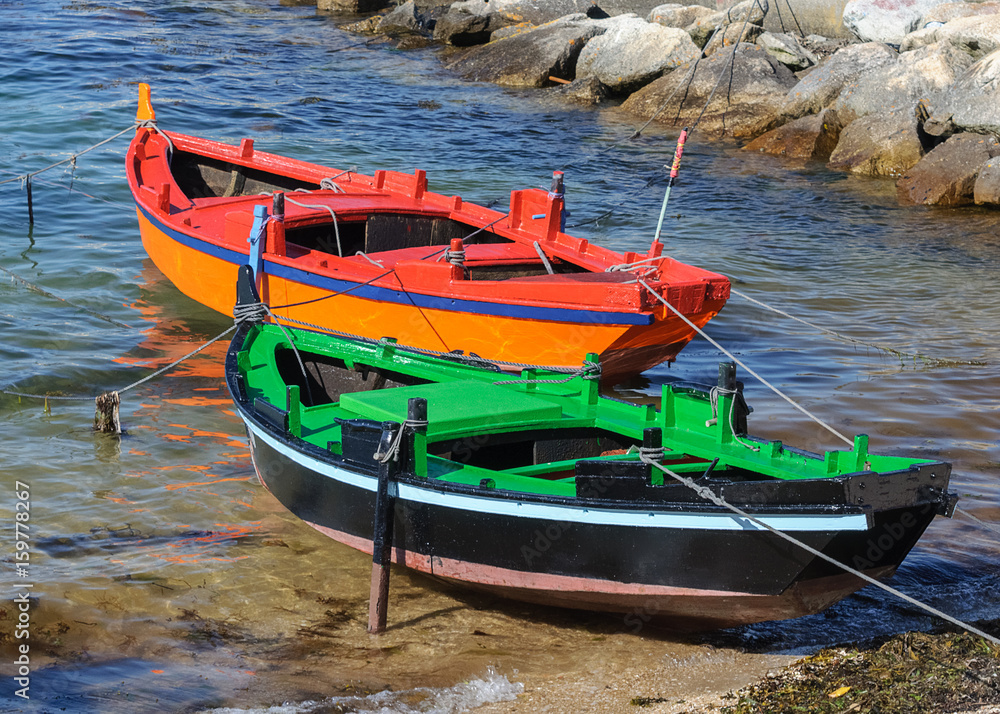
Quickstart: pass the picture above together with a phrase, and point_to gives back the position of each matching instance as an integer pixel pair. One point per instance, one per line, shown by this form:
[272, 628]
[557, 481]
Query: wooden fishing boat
[531, 487]
[381, 255]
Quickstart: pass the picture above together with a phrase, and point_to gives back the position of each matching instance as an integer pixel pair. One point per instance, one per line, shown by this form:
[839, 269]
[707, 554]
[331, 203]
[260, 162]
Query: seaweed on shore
[909, 672]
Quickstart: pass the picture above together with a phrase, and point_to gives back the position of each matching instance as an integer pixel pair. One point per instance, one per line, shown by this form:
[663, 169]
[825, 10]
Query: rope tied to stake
[629, 266]
[652, 454]
[252, 312]
[455, 257]
[256, 312]
[392, 453]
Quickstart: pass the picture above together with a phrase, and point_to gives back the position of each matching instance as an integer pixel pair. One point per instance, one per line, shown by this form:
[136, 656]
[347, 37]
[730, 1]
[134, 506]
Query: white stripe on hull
[800, 523]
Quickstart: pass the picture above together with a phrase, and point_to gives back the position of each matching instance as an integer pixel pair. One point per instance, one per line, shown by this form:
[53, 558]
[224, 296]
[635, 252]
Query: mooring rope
[333, 215]
[735, 359]
[781, 394]
[589, 370]
[709, 495]
[72, 158]
[985, 524]
[130, 386]
[46, 293]
[933, 361]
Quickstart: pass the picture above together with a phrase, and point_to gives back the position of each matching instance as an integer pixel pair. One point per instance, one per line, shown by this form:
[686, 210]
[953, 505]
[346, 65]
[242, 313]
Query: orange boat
[381, 256]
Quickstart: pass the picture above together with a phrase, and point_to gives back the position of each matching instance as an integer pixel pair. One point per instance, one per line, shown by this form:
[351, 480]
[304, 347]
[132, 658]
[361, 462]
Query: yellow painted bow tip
[838, 692]
[145, 111]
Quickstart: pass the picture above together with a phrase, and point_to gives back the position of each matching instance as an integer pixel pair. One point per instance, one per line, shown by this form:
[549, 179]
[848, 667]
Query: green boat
[539, 488]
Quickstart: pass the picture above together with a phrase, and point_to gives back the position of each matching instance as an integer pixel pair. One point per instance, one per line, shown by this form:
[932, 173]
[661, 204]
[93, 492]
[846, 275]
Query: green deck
[463, 401]
[454, 406]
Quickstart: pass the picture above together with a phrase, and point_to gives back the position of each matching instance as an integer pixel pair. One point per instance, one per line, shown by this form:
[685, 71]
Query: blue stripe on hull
[371, 292]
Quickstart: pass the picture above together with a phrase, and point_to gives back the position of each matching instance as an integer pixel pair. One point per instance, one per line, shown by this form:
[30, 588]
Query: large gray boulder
[352, 7]
[751, 88]
[633, 52]
[987, 186]
[948, 11]
[878, 145]
[470, 22]
[539, 12]
[404, 19]
[901, 84]
[886, 21]
[730, 35]
[788, 50]
[750, 12]
[529, 58]
[947, 175]
[674, 15]
[641, 8]
[823, 85]
[973, 102]
[810, 137]
[587, 91]
[978, 35]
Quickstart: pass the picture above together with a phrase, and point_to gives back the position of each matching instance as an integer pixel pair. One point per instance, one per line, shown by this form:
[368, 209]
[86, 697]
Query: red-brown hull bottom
[681, 609]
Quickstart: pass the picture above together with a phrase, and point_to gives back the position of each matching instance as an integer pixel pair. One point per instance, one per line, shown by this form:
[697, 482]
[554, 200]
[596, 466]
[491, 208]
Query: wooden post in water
[385, 503]
[393, 449]
[106, 417]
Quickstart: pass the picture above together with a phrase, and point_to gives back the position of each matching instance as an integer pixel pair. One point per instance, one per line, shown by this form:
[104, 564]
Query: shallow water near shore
[164, 578]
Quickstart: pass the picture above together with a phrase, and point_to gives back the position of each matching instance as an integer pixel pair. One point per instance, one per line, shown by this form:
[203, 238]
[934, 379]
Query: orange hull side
[624, 349]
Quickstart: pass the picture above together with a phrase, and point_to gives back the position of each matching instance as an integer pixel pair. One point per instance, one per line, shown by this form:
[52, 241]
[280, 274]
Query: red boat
[381, 256]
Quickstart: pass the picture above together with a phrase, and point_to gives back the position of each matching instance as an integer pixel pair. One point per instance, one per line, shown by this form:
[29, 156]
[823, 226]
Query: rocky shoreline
[911, 94]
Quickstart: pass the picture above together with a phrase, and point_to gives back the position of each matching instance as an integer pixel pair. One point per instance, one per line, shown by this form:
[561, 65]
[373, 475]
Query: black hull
[697, 577]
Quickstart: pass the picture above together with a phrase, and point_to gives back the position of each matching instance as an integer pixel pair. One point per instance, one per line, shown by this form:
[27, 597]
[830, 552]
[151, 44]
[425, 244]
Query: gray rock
[885, 21]
[729, 35]
[973, 102]
[673, 15]
[987, 187]
[948, 11]
[471, 22]
[901, 84]
[528, 59]
[405, 19]
[947, 175]
[749, 11]
[463, 30]
[511, 30]
[787, 49]
[978, 35]
[538, 12]
[823, 47]
[633, 52]
[641, 8]
[588, 91]
[752, 88]
[368, 26]
[824, 83]
[352, 7]
[878, 145]
[810, 137]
